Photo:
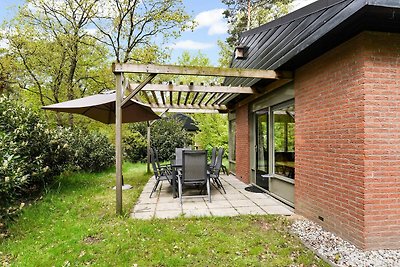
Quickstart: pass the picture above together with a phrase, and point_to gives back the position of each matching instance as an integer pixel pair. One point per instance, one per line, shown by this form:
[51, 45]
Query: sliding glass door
[275, 150]
[262, 158]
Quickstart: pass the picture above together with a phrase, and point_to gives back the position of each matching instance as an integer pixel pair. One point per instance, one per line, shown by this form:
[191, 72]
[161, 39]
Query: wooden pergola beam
[199, 71]
[195, 88]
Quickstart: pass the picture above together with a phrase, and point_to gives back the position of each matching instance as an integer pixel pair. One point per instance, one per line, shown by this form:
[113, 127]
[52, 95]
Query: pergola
[183, 98]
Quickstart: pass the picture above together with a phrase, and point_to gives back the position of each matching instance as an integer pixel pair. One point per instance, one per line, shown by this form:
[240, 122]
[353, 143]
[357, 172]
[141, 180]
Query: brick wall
[243, 144]
[348, 140]
[382, 140]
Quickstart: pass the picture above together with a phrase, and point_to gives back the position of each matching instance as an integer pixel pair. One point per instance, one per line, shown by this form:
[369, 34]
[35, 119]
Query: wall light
[240, 52]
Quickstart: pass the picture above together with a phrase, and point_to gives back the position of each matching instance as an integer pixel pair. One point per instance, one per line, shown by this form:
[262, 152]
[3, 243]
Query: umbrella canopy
[101, 107]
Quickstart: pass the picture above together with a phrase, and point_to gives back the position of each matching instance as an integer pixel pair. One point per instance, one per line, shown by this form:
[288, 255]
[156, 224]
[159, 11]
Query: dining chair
[165, 167]
[215, 171]
[194, 173]
[213, 157]
[160, 174]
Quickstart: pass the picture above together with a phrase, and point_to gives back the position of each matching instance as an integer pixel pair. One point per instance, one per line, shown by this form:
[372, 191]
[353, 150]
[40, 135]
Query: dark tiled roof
[295, 39]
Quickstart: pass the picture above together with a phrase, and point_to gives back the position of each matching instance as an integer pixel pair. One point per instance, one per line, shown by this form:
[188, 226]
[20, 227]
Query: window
[232, 145]
[284, 122]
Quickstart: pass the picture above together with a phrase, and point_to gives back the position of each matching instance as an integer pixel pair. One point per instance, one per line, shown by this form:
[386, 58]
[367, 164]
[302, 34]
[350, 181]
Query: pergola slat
[187, 97]
[146, 96]
[211, 97]
[220, 97]
[186, 110]
[179, 97]
[162, 97]
[196, 88]
[195, 97]
[202, 98]
[155, 97]
[189, 106]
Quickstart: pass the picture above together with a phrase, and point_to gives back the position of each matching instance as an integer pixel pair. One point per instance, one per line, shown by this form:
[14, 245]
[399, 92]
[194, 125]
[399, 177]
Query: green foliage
[166, 134]
[135, 146]
[244, 15]
[91, 152]
[55, 57]
[213, 131]
[225, 54]
[32, 154]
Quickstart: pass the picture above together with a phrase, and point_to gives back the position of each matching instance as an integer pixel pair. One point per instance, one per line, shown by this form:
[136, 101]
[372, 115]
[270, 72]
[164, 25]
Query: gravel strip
[339, 251]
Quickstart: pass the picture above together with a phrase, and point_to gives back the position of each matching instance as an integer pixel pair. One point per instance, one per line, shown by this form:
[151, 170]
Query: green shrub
[91, 152]
[32, 153]
[166, 134]
[135, 147]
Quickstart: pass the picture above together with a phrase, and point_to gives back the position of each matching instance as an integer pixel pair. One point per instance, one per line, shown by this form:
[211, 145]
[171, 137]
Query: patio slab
[236, 201]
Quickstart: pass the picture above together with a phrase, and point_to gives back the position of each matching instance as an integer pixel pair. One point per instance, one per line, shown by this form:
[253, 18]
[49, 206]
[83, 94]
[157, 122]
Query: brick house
[327, 142]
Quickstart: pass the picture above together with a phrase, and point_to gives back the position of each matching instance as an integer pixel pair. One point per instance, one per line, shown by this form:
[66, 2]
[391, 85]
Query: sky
[207, 13]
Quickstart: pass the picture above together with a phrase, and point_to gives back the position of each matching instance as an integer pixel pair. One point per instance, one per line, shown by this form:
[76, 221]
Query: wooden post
[118, 143]
[148, 147]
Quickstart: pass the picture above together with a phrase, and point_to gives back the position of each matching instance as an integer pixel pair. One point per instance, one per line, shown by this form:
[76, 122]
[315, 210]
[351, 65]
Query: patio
[236, 201]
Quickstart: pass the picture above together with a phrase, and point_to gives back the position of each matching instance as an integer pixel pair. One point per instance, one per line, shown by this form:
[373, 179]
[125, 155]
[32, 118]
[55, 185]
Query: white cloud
[91, 31]
[4, 44]
[191, 45]
[213, 20]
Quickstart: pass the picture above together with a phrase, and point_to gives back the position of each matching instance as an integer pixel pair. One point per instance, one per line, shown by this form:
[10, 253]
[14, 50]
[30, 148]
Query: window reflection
[284, 122]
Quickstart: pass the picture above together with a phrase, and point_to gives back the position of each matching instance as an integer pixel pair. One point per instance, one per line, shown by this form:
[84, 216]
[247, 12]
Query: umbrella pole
[118, 142]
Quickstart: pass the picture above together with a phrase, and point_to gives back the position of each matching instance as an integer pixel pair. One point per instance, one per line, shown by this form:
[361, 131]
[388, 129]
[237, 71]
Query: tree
[225, 54]
[247, 14]
[58, 58]
[166, 134]
[132, 27]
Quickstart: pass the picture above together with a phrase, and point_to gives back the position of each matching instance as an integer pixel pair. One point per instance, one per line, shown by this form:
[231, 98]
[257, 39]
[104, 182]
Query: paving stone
[242, 203]
[223, 212]
[144, 208]
[190, 205]
[237, 201]
[236, 196]
[267, 201]
[168, 206]
[168, 214]
[197, 213]
[277, 210]
[145, 199]
[250, 210]
[219, 204]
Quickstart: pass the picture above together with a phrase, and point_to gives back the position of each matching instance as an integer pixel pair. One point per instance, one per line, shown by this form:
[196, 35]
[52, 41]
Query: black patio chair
[160, 174]
[194, 173]
[213, 158]
[165, 167]
[215, 171]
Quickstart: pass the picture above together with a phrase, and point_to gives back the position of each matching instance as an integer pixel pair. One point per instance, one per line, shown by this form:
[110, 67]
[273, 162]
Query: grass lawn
[75, 225]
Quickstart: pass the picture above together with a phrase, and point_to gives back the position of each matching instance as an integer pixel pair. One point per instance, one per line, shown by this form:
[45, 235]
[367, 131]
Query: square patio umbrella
[101, 107]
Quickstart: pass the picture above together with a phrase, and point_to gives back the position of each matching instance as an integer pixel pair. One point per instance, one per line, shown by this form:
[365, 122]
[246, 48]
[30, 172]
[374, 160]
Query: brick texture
[243, 144]
[348, 140]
